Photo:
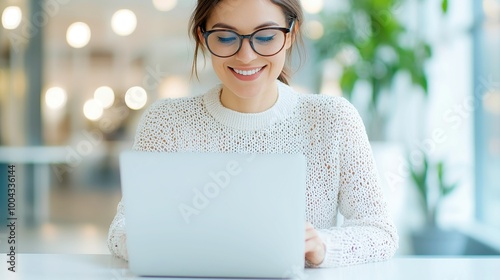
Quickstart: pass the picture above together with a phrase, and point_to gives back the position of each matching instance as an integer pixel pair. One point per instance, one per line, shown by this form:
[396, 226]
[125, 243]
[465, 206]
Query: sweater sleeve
[116, 235]
[368, 233]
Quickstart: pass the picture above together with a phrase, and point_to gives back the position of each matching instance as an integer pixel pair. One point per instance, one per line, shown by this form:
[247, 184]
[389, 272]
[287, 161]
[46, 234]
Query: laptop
[214, 214]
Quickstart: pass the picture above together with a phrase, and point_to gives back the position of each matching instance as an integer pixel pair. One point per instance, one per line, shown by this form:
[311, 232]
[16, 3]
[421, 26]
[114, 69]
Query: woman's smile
[247, 74]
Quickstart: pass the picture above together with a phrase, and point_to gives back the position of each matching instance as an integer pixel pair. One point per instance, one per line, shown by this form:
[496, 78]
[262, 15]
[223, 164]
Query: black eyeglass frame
[285, 30]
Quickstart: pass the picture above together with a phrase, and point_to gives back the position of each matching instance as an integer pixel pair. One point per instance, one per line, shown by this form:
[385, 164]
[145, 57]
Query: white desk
[46, 266]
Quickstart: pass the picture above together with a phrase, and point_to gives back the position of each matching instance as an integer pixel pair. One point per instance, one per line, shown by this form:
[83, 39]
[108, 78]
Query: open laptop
[214, 214]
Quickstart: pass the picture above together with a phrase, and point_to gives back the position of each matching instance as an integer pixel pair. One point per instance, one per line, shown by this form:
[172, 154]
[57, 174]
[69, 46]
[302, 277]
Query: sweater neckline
[282, 108]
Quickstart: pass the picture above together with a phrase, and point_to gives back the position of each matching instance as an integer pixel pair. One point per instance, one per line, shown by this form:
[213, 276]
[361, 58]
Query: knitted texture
[341, 173]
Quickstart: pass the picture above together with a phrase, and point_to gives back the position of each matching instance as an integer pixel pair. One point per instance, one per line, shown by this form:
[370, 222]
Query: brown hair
[291, 9]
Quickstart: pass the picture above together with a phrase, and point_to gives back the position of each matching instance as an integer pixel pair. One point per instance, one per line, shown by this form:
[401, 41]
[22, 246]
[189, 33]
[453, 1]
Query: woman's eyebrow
[227, 26]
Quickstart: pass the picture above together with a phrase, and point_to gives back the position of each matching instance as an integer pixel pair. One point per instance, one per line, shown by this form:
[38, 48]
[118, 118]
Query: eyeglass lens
[264, 42]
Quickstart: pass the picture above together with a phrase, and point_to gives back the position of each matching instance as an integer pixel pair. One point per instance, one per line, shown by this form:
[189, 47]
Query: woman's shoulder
[176, 103]
[325, 104]
[173, 106]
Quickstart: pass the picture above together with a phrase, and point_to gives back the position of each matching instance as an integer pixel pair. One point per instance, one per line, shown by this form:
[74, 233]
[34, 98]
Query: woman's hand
[315, 248]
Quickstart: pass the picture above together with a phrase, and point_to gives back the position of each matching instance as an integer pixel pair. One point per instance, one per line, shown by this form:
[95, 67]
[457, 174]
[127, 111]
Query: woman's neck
[251, 104]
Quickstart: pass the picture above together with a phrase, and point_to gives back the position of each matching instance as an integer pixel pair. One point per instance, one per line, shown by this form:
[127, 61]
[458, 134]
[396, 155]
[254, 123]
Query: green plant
[422, 178]
[372, 45]
[381, 44]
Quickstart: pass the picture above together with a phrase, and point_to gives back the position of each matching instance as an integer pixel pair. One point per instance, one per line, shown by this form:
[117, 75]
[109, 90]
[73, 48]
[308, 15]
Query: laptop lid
[213, 214]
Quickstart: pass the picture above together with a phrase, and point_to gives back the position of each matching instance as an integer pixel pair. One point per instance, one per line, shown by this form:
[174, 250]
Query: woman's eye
[226, 40]
[264, 39]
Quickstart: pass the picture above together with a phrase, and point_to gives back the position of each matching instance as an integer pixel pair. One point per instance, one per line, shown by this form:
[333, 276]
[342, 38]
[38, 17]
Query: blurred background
[76, 75]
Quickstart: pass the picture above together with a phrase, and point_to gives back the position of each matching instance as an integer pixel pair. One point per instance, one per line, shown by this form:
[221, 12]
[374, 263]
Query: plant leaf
[448, 189]
[444, 6]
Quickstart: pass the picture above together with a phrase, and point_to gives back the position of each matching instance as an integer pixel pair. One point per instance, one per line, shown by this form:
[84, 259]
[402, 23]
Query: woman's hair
[204, 8]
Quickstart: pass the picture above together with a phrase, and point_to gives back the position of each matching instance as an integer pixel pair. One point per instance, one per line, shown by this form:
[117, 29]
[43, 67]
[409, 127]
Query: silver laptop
[214, 214]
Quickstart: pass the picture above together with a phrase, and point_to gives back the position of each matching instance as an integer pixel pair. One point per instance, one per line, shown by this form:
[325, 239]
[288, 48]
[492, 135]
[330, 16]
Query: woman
[255, 111]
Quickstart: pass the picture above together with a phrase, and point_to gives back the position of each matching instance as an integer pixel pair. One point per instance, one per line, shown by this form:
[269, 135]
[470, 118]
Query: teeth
[247, 73]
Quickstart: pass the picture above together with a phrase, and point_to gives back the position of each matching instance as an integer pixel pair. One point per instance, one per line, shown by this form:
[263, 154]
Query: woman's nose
[246, 54]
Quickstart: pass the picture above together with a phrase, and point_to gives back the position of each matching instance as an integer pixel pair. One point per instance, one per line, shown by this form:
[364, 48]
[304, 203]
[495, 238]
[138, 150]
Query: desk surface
[36, 154]
[47, 266]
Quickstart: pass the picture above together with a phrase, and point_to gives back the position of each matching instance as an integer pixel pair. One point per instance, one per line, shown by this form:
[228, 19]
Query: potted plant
[431, 239]
[366, 41]
[372, 45]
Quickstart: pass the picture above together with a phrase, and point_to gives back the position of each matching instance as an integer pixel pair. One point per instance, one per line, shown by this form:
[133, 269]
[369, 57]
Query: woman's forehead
[245, 14]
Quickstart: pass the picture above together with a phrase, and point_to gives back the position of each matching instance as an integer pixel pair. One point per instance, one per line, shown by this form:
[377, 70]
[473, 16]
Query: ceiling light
[78, 35]
[11, 17]
[124, 22]
[92, 110]
[105, 95]
[164, 5]
[55, 98]
[136, 98]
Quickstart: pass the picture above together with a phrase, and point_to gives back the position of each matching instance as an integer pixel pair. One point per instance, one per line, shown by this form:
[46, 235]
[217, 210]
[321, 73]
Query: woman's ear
[291, 36]
[200, 36]
[295, 31]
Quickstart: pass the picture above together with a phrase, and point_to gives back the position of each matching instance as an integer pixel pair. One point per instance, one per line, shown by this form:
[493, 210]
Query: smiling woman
[252, 60]
[255, 111]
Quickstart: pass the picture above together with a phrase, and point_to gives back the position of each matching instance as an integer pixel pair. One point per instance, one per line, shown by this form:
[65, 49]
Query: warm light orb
[78, 35]
[173, 87]
[93, 110]
[491, 9]
[124, 22]
[491, 102]
[164, 5]
[136, 98]
[55, 98]
[11, 17]
[314, 30]
[105, 95]
[312, 6]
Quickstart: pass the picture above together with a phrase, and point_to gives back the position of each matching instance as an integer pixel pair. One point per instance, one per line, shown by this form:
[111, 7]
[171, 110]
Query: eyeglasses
[265, 42]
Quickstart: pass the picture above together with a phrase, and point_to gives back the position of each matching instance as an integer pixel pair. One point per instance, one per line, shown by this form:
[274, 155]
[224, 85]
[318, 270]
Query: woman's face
[248, 76]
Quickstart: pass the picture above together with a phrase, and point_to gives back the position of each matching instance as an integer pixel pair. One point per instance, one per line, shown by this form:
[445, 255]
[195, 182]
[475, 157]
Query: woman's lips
[247, 74]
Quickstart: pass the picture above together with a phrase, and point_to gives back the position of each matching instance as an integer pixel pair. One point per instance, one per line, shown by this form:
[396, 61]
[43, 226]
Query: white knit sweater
[341, 174]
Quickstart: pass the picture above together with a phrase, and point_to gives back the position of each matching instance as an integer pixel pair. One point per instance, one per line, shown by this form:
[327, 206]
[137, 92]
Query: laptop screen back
[214, 215]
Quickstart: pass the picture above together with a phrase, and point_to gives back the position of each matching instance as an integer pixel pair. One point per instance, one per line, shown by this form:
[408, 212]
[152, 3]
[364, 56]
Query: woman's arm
[368, 233]
[116, 235]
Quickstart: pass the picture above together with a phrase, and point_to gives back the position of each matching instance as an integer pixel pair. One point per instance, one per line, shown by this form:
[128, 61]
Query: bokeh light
[173, 87]
[11, 17]
[78, 35]
[491, 9]
[314, 29]
[312, 6]
[124, 22]
[55, 98]
[105, 95]
[93, 110]
[164, 5]
[136, 98]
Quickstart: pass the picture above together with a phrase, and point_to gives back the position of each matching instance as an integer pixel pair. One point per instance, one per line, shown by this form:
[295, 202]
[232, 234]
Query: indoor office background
[76, 75]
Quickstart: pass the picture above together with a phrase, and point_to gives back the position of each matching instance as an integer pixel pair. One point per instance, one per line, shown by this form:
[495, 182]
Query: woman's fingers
[310, 232]
[314, 247]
